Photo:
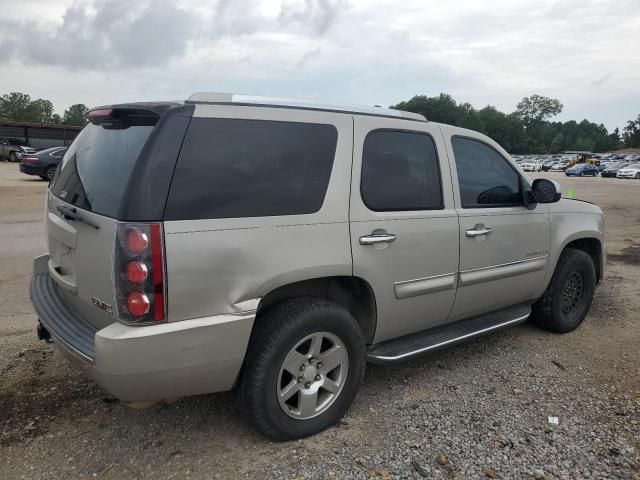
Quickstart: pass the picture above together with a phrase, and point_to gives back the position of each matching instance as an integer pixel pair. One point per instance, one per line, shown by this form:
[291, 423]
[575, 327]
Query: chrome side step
[414, 344]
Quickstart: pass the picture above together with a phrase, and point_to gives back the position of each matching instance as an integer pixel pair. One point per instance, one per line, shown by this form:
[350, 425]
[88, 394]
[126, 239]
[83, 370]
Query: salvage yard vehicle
[13, 148]
[630, 171]
[275, 246]
[581, 170]
[611, 169]
[42, 163]
[559, 167]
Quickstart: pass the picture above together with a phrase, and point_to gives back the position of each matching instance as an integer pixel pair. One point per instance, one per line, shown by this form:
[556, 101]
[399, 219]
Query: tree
[537, 108]
[40, 111]
[14, 106]
[631, 133]
[74, 115]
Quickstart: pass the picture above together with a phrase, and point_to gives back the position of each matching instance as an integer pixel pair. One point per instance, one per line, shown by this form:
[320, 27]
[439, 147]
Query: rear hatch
[86, 200]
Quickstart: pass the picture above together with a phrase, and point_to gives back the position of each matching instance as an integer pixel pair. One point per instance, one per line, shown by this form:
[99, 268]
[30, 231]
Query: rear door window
[400, 171]
[232, 168]
[97, 166]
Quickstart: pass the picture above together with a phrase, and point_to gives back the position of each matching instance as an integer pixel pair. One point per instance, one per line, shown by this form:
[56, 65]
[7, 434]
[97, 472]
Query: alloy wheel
[312, 375]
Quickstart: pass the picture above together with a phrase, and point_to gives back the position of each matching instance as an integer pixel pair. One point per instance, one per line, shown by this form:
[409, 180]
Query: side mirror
[545, 191]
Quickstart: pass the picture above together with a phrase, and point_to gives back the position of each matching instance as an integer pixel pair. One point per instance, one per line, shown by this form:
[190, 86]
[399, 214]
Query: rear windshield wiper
[70, 213]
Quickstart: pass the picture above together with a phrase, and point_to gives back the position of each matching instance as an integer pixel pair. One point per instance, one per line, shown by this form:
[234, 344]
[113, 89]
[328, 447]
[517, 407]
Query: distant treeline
[528, 129]
[19, 107]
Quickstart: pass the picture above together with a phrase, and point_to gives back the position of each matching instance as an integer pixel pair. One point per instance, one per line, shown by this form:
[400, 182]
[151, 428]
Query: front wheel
[568, 297]
[13, 157]
[304, 366]
[637, 176]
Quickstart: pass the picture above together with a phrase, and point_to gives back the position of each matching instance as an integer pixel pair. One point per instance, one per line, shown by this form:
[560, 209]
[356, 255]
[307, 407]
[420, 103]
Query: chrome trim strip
[495, 272]
[447, 342]
[422, 286]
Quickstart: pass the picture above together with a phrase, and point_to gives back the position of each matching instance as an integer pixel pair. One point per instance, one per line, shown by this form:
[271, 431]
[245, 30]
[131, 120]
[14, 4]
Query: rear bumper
[31, 169]
[144, 363]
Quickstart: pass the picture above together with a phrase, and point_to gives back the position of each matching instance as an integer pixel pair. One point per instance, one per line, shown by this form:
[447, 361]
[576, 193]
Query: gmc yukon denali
[275, 246]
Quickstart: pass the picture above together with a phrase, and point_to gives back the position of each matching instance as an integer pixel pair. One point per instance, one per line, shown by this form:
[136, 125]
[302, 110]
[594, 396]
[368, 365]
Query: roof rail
[234, 98]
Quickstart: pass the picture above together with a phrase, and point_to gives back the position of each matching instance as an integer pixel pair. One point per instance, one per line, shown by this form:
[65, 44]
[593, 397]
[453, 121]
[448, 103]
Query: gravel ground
[477, 410]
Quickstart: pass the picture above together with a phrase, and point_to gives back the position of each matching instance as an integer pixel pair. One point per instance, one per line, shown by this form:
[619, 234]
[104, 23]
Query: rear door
[404, 228]
[82, 205]
[504, 246]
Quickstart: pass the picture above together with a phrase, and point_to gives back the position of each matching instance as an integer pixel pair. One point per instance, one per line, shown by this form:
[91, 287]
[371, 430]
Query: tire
[13, 157]
[277, 336]
[49, 172]
[568, 297]
[637, 176]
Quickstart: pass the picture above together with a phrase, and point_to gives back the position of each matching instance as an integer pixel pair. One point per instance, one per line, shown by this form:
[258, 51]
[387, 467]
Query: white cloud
[375, 51]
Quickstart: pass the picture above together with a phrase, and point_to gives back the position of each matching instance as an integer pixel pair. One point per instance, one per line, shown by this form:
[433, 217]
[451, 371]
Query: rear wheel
[637, 176]
[13, 157]
[568, 297]
[304, 366]
[49, 172]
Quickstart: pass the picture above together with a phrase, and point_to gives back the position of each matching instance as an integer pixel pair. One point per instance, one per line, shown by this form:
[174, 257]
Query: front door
[504, 247]
[404, 228]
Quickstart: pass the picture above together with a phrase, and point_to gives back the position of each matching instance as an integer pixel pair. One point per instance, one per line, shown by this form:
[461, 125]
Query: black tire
[49, 172]
[568, 297]
[275, 335]
[13, 157]
[637, 176]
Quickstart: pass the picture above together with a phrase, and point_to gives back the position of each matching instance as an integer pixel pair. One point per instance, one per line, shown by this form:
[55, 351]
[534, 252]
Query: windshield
[97, 166]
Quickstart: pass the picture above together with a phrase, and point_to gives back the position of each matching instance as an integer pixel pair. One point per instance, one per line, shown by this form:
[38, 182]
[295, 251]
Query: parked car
[42, 163]
[559, 167]
[13, 148]
[581, 170]
[630, 171]
[548, 164]
[277, 246]
[531, 166]
[611, 169]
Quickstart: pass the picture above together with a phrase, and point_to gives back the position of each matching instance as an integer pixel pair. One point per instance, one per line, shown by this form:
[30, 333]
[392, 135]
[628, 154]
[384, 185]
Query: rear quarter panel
[222, 266]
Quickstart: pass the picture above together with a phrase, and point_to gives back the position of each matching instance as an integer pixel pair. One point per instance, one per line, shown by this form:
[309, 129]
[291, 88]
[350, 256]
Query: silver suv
[276, 246]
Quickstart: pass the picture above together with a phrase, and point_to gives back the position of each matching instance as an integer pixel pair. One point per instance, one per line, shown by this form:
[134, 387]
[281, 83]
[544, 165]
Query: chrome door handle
[479, 229]
[376, 238]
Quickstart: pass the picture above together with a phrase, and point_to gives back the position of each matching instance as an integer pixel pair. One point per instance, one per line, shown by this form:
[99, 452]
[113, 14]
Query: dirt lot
[482, 407]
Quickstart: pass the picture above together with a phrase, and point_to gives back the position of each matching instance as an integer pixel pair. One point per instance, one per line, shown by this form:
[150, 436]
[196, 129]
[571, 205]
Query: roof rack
[236, 99]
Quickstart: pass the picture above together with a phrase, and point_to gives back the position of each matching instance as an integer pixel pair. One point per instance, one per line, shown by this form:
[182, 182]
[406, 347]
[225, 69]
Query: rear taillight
[28, 158]
[139, 273]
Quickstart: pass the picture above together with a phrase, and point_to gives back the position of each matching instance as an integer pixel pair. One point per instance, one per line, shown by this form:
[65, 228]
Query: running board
[444, 335]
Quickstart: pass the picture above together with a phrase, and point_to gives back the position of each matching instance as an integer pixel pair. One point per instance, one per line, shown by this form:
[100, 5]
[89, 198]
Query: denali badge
[101, 305]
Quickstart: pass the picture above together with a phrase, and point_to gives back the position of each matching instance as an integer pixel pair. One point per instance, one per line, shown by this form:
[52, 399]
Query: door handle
[376, 238]
[479, 229]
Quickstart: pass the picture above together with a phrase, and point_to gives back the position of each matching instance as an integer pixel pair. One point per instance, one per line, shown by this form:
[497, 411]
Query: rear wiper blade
[70, 213]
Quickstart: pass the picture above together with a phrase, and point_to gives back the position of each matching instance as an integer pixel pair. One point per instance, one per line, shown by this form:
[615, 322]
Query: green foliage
[537, 108]
[74, 115]
[19, 107]
[631, 133]
[527, 129]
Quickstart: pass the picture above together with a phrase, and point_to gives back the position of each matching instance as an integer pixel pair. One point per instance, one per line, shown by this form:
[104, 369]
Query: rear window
[97, 166]
[232, 168]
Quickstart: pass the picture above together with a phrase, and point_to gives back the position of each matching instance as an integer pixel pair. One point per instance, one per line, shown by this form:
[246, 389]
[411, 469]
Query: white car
[630, 171]
[531, 166]
[559, 167]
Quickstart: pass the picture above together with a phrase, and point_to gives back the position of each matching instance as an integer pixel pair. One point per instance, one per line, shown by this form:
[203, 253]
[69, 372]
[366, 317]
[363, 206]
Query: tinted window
[97, 166]
[400, 172]
[230, 168]
[485, 177]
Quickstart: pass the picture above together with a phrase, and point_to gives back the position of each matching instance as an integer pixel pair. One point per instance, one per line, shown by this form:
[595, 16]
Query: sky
[586, 53]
